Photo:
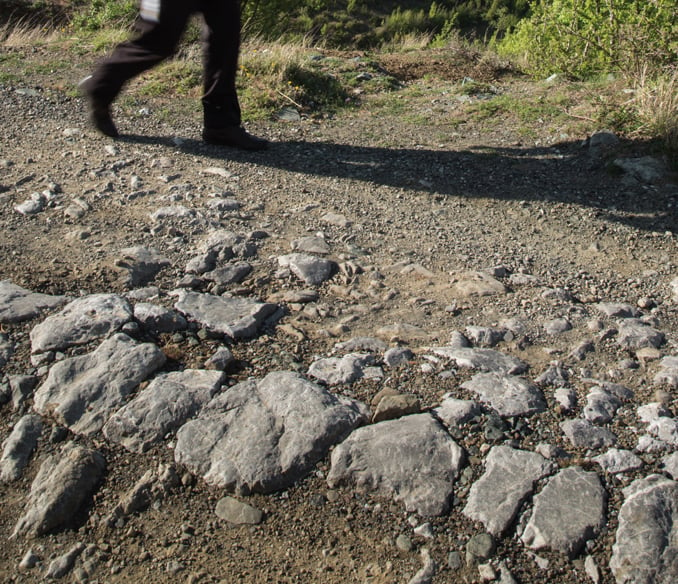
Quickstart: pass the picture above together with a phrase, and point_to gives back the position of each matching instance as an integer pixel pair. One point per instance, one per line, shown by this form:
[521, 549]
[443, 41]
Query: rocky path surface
[383, 351]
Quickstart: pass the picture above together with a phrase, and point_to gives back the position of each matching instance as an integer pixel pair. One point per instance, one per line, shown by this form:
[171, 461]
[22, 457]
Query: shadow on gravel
[561, 173]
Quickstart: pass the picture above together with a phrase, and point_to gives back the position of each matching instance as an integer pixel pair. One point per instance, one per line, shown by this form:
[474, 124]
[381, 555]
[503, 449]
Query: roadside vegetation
[623, 53]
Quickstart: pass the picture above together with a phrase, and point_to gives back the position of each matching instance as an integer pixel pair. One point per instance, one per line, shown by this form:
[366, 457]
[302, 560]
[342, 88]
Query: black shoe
[99, 113]
[235, 137]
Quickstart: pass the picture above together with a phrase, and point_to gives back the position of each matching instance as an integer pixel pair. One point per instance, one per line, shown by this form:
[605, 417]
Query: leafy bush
[581, 38]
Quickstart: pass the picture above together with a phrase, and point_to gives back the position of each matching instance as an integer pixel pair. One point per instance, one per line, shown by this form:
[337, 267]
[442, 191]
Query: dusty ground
[424, 178]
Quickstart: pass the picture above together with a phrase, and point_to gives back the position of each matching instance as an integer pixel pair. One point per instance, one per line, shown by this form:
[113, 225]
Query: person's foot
[235, 137]
[99, 112]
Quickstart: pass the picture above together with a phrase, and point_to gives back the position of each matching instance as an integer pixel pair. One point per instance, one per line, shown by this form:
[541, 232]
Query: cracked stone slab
[83, 391]
[18, 304]
[583, 434]
[412, 459]
[19, 446]
[455, 412]
[341, 370]
[237, 318]
[615, 461]
[6, 349]
[83, 320]
[646, 545]
[140, 265]
[509, 395]
[166, 404]
[64, 483]
[668, 372]
[310, 269]
[567, 512]
[485, 360]
[158, 319]
[508, 480]
[262, 436]
[635, 334]
[476, 284]
[601, 406]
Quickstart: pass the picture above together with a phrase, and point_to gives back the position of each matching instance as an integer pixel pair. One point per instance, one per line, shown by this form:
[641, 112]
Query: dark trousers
[158, 40]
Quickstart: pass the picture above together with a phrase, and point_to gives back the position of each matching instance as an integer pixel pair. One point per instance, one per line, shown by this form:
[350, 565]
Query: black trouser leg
[221, 50]
[155, 42]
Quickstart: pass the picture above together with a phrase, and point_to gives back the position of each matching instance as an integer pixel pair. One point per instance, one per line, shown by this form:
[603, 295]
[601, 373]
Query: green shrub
[582, 38]
[94, 15]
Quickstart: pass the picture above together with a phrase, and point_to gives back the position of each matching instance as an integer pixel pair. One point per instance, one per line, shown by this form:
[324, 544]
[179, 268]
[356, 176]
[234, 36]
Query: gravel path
[423, 233]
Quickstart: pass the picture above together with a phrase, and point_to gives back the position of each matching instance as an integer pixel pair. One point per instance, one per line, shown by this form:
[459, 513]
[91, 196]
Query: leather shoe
[99, 113]
[235, 137]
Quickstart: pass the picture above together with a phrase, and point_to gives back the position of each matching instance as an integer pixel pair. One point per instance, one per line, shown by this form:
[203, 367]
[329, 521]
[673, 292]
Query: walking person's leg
[159, 27]
[221, 110]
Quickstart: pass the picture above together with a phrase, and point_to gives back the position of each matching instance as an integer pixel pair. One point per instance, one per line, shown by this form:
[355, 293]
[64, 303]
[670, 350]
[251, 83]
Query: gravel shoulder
[409, 200]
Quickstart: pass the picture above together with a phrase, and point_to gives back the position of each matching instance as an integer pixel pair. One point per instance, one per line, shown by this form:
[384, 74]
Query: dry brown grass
[657, 103]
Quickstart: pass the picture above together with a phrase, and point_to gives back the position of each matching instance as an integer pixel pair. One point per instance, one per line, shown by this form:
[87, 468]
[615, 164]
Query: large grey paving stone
[508, 480]
[261, 436]
[6, 350]
[310, 269]
[635, 334]
[412, 458]
[65, 481]
[485, 360]
[646, 546]
[83, 320]
[140, 264]
[668, 371]
[568, 511]
[82, 392]
[167, 403]
[18, 304]
[19, 446]
[234, 317]
[340, 370]
[509, 395]
[583, 434]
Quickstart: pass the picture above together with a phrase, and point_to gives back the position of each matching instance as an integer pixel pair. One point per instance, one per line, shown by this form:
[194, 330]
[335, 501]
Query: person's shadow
[564, 172]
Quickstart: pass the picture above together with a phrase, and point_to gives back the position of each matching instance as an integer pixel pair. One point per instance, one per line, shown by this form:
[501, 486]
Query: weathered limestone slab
[646, 546]
[340, 370]
[615, 461]
[310, 269]
[82, 392]
[19, 446]
[261, 436]
[569, 510]
[635, 334]
[454, 412]
[583, 434]
[168, 401]
[6, 349]
[486, 360]
[158, 319]
[476, 284]
[412, 458]
[140, 264]
[83, 320]
[63, 484]
[509, 476]
[507, 394]
[18, 304]
[668, 372]
[234, 317]
[229, 274]
[601, 406]
[618, 309]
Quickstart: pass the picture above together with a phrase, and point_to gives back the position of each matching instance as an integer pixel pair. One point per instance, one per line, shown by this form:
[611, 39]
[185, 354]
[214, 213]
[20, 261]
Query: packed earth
[403, 345]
